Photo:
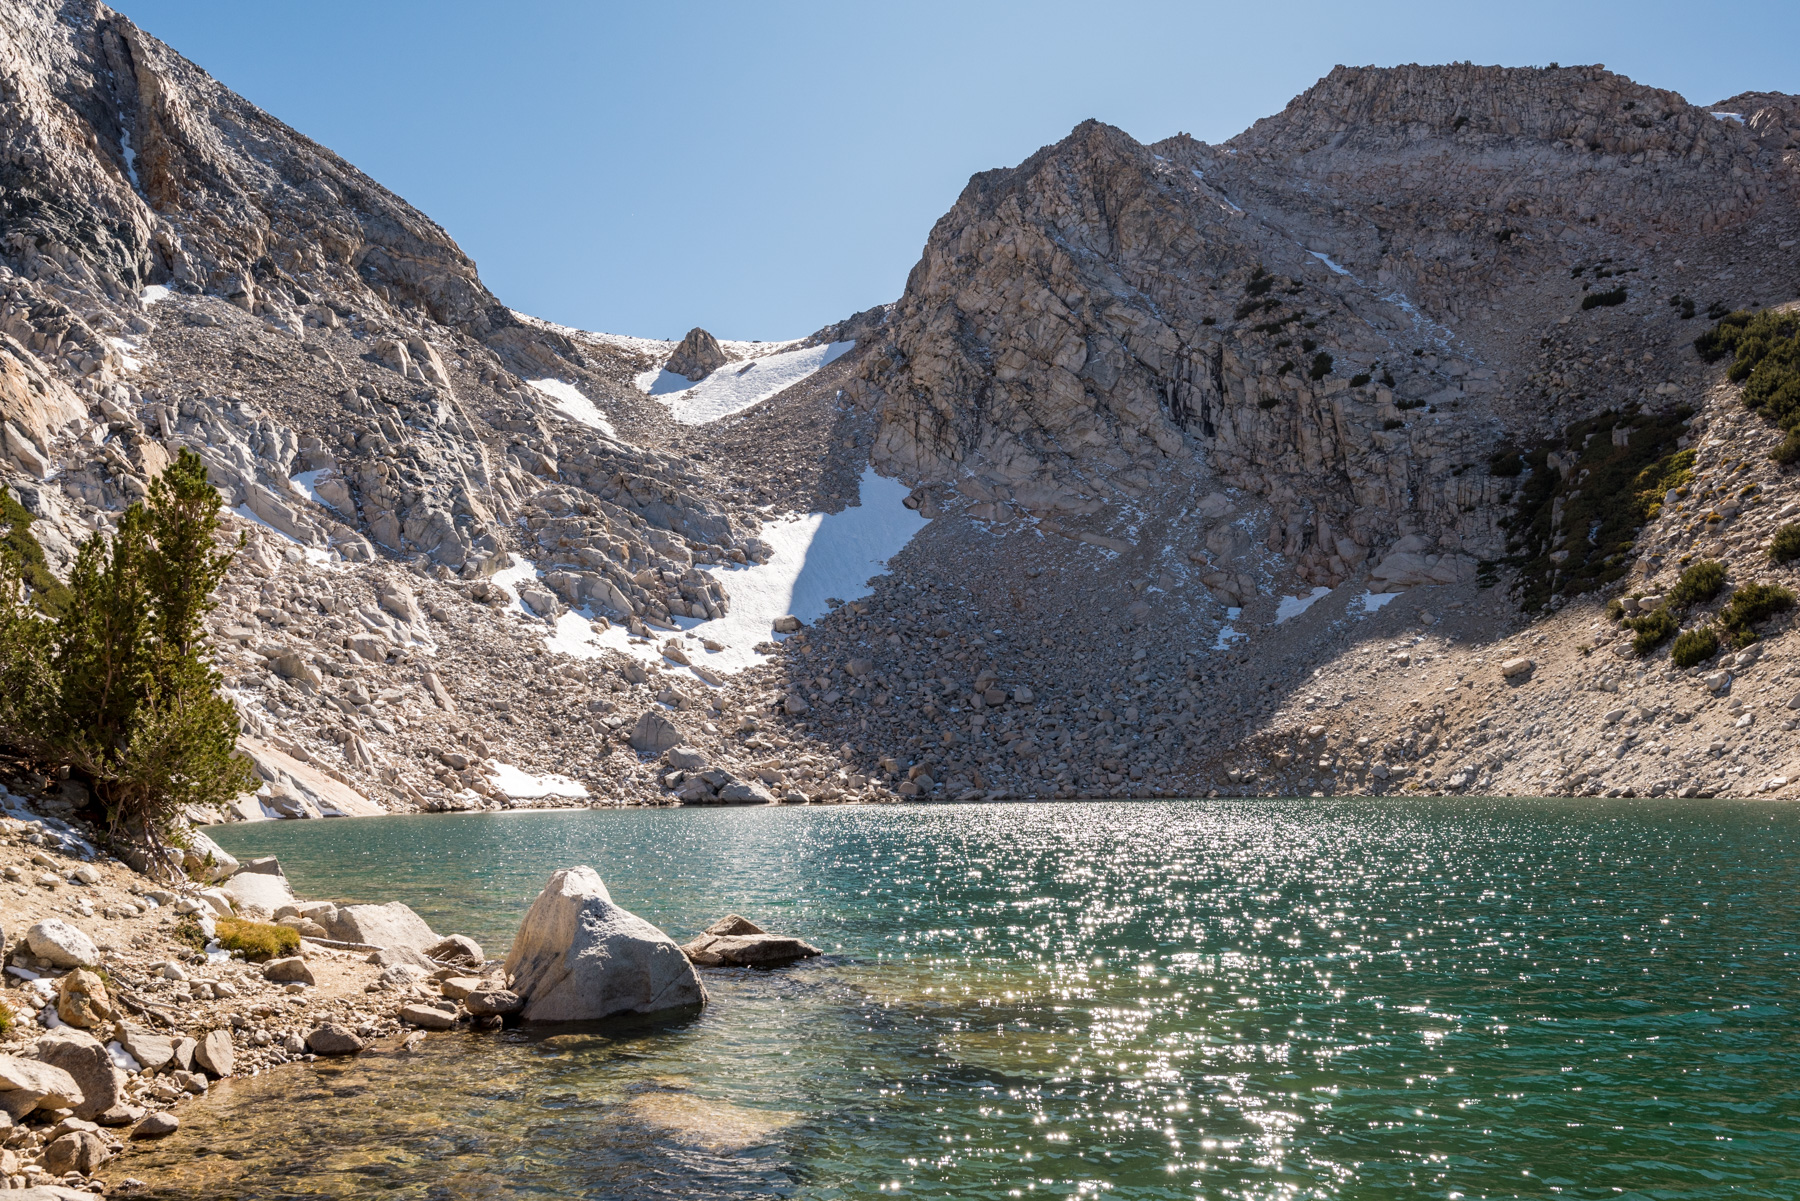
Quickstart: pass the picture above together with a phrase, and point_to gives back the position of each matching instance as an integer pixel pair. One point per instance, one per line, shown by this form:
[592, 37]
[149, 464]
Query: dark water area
[1210, 999]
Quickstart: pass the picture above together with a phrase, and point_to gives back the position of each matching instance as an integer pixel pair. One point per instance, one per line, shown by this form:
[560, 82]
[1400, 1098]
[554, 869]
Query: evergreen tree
[118, 686]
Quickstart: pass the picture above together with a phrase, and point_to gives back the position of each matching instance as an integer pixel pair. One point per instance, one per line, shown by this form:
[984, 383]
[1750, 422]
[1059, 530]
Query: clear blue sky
[766, 168]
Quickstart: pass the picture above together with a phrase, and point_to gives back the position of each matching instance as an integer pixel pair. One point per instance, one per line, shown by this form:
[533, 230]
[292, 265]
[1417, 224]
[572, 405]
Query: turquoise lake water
[1211, 999]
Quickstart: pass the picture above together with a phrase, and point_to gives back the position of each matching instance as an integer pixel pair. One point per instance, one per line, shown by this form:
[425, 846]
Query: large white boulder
[61, 943]
[257, 890]
[579, 957]
[392, 925]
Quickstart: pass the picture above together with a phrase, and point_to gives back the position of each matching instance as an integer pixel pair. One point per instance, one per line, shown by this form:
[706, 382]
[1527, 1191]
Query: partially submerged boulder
[735, 941]
[580, 957]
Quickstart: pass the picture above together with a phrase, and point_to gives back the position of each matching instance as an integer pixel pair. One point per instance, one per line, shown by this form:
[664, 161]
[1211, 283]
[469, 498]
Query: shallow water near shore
[1220, 999]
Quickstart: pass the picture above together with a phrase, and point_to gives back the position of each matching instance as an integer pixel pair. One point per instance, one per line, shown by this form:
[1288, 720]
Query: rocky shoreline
[123, 998]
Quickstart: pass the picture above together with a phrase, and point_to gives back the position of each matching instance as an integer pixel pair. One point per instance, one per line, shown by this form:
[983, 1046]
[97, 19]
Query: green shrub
[1788, 453]
[1784, 547]
[118, 688]
[259, 941]
[1321, 366]
[1359, 379]
[1596, 299]
[48, 592]
[1615, 609]
[1393, 423]
[1698, 584]
[1653, 629]
[1695, 646]
[1753, 603]
[1765, 359]
[1506, 462]
[1260, 282]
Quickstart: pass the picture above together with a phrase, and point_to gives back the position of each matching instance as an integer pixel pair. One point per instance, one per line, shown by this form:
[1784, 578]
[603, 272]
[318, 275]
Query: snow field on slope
[815, 557]
[736, 386]
[569, 401]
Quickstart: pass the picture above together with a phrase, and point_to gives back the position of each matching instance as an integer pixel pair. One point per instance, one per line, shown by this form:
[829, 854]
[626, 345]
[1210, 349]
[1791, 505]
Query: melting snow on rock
[572, 404]
[522, 785]
[1294, 606]
[736, 386]
[816, 557]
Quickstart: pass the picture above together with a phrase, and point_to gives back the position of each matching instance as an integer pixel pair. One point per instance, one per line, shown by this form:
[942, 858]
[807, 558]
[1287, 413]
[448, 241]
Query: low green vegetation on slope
[1573, 529]
[1765, 358]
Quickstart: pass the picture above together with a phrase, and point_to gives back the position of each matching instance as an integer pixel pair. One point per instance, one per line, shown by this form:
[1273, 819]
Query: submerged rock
[579, 957]
[735, 941]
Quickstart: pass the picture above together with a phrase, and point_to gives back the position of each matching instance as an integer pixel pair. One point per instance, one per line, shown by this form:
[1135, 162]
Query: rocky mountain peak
[697, 356]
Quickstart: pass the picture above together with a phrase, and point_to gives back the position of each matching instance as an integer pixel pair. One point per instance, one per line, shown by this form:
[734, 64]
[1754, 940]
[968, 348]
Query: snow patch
[736, 386]
[573, 405]
[1738, 117]
[1373, 601]
[1227, 636]
[127, 352]
[522, 785]
[1294, 606]
[307, 483]
[153, 293]
[660, 381]
[130, 155]
[1326, 259]
[815, 558]
[313, 555]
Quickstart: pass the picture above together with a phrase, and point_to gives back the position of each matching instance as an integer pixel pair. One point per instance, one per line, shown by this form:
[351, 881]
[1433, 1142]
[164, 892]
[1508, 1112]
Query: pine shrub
[118, 688]
[1698, 584]
[1754, 603]
[1598, 299]
[1695, 646]
[1653, 629]
[1784, 547]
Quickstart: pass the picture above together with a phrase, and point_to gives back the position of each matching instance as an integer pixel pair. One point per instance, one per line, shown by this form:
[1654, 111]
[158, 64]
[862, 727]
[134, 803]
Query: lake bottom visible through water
[1207, 999]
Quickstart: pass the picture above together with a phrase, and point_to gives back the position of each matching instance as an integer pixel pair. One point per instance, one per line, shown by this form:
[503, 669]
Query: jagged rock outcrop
[697, 356]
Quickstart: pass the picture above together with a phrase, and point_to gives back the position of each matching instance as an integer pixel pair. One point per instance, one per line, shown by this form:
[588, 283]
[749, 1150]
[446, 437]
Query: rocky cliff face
[1270, 314]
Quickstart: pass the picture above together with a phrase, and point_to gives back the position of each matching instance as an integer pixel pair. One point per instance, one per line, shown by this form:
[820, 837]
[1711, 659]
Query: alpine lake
[1186, 999]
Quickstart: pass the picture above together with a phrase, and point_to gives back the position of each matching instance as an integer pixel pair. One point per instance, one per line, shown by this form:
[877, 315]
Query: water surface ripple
[1230, 999]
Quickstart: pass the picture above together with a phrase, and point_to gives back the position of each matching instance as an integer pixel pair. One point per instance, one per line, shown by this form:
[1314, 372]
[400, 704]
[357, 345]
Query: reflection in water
[1171, 1000]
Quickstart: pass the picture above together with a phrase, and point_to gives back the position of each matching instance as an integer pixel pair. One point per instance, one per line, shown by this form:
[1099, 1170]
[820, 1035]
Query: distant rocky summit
[697, 356]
